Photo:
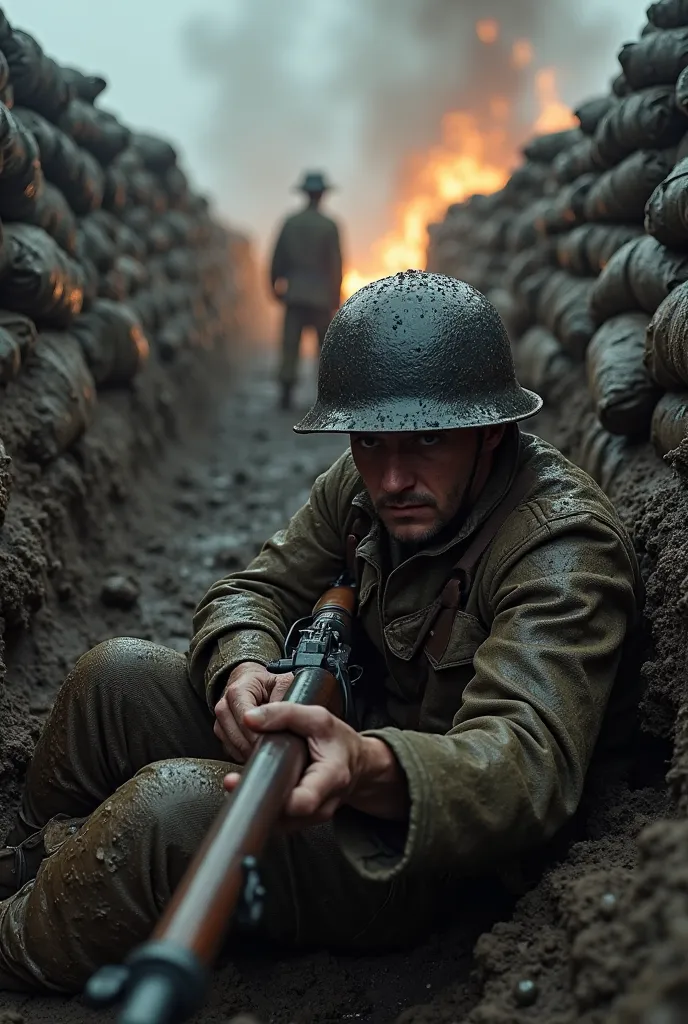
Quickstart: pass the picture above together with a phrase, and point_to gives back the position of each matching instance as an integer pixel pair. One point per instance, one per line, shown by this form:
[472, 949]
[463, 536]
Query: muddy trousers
[296, 318]
[125, 782]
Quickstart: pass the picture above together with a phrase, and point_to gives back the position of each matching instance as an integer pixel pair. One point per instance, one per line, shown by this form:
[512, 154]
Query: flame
[469, 160]
[487, 30]
[555, 116]
[522, 54]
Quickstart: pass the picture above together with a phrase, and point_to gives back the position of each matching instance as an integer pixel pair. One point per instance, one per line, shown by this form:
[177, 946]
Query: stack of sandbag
[106, 254]
[473, 241]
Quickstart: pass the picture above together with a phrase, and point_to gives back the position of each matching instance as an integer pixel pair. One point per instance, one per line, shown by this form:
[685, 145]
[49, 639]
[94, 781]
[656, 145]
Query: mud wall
[585, 253]
[119, 293]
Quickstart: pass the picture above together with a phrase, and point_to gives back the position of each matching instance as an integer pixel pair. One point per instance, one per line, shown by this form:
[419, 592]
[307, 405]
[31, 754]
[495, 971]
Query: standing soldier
[306, 275]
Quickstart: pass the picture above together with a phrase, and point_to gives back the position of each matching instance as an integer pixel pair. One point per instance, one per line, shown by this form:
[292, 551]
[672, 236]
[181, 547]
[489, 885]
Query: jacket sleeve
[246, 616]
[510, 772]
[279, 265]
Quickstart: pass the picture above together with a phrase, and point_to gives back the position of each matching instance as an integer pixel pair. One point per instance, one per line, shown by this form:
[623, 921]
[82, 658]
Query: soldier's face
[418, 481]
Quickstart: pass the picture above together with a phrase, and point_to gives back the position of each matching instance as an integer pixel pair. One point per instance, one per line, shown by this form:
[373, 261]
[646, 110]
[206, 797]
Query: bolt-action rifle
[164, 980]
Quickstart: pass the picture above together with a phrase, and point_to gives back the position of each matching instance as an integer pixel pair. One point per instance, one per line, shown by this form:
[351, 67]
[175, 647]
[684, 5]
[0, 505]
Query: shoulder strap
[458, 587]
[358, 532]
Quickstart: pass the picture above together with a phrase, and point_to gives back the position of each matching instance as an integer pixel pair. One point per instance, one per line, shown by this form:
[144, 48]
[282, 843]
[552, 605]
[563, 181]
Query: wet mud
[175, 485]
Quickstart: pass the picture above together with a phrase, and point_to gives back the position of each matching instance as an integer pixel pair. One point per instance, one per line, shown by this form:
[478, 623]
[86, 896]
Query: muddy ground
[175, 491]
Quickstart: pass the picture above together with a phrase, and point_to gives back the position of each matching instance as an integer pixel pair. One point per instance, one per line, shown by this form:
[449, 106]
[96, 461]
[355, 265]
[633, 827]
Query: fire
[469, 159]
[555, 116]
[487, 31]
[522, 53]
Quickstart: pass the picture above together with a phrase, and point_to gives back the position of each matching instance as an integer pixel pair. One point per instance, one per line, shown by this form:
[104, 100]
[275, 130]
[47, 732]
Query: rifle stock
[164, 981]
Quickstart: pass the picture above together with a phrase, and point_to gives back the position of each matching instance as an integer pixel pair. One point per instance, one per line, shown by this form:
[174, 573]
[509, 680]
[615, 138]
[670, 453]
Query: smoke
[351, 87]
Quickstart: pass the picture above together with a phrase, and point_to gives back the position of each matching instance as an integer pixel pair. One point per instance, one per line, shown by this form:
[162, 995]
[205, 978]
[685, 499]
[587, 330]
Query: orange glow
[555, 116]
[522, 54]
[487, 30]
[475, 155]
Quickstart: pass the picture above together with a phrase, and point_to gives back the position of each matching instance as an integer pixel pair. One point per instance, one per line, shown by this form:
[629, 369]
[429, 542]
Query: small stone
[100, 853]
[608, 904]
[120, 592]
[525, 992]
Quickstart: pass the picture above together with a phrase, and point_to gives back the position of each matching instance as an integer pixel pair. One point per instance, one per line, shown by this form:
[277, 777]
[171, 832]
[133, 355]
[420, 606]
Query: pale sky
[139, 46]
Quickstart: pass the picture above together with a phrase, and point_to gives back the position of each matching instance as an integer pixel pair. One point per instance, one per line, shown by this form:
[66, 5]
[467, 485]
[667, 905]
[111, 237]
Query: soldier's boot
[20, 863]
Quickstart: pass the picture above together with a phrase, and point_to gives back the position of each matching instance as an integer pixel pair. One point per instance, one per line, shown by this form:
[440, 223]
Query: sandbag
[587, 249]
[42, 280]
[10, 356]
[669, 423]
[566, 209]
[648, 119]
[156, 154]
[544, 148]
[666, 214]
[562, 305]
[620, 86]
[116, 190]
[668, 13]
[4, 72]
[176, 186]
[95, 130]
[113, 342]
[74, 171]
[21, 177]
[22, 329]
[575, 162]
[622, 390]
[53, 213]
[591, 113]
[94, 244]
[126, 276]
[656, 59]
[666, 342]
[37, 80]
[525, 263]
[620, 194]
[541, 363]
[639, 276]
[83, 87]
[48, 407]
[602, 454]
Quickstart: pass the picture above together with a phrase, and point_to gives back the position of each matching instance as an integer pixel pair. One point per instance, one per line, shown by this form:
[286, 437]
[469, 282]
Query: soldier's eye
[368, 442]
[428, 440]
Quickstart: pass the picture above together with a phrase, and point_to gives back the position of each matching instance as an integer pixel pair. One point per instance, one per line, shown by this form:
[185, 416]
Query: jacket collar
[504, 470]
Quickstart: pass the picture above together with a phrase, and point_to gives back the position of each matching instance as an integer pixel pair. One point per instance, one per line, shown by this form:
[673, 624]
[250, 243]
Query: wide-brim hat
[314, 181]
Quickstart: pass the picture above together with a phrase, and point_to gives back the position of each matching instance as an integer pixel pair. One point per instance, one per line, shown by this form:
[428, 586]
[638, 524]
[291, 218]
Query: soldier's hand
[249, 686]
[345, 767]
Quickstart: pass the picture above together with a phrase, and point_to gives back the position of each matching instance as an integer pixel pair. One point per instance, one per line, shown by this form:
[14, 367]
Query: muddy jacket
[494, 735]
[308, 256]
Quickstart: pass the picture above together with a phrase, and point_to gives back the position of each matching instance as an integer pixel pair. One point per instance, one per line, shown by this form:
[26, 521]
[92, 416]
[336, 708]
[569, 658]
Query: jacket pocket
[466, 636]
[449, 676]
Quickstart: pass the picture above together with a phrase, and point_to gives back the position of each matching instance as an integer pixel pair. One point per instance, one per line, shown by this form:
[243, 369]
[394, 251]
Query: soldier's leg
[103, 889]
[126, 704]
[291, 343]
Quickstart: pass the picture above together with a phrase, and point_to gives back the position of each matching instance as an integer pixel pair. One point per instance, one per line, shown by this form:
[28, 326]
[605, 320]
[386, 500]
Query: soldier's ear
[492, 437]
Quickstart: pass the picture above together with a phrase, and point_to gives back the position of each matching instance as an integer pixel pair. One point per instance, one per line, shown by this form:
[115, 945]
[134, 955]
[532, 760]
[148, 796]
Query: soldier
[306, 275]
[497, 588]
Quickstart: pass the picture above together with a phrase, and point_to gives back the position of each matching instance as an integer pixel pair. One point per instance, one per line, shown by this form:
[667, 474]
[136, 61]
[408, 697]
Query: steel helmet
[416, 352]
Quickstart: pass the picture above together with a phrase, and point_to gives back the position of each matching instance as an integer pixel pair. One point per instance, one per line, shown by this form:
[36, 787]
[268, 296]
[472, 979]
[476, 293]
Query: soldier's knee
[178, 798]
[125, 664]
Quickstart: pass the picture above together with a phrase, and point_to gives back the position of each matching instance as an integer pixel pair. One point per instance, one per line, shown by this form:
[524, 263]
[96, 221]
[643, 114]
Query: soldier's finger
[241, 701]
[304, 720]
[280, 687]
[237, 745]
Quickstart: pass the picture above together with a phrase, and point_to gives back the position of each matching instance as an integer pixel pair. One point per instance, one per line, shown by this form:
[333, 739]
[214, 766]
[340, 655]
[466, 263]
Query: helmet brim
[414, 416]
